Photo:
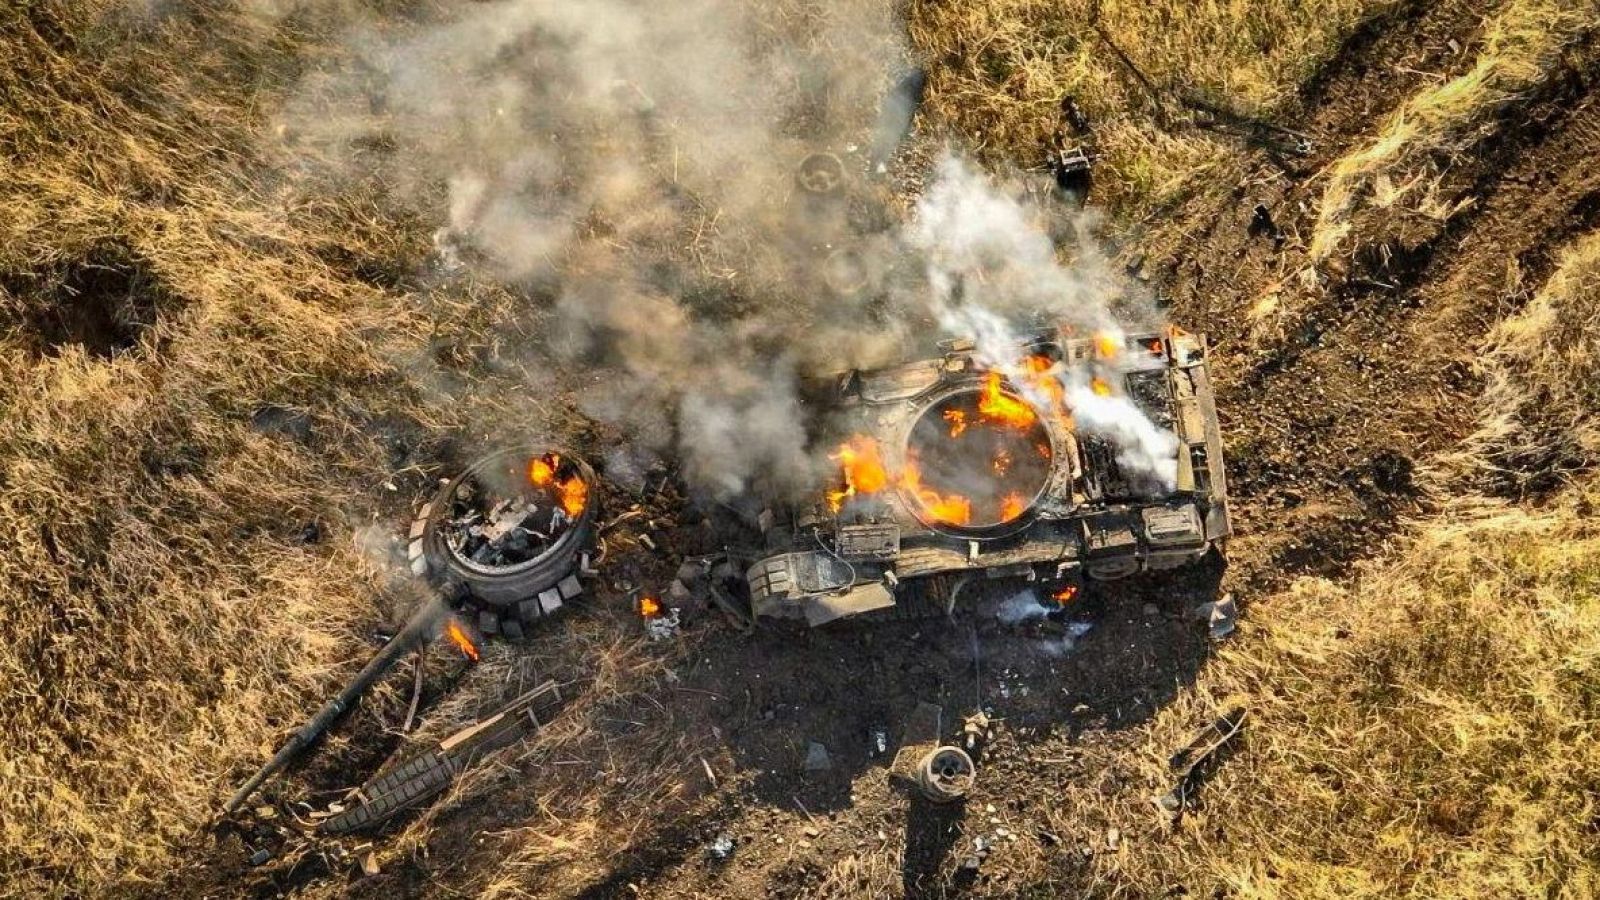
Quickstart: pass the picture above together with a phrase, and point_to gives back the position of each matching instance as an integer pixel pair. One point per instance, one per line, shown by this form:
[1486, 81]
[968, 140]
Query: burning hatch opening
[977, 459]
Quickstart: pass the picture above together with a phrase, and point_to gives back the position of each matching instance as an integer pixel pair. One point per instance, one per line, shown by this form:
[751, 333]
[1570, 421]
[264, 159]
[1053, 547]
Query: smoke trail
[634, 164]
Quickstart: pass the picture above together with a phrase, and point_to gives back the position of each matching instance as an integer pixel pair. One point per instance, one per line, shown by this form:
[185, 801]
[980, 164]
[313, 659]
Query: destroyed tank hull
[1090, 509]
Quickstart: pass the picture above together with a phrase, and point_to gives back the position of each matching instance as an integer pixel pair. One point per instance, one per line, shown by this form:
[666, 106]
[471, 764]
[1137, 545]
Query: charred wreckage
[951, 474]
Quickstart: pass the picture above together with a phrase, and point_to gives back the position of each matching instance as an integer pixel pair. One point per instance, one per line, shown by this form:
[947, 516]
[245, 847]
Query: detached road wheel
[946, 774]
[509, 531]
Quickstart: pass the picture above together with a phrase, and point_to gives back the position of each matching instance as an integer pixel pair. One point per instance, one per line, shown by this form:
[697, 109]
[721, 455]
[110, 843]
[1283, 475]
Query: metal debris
[946, 774]
[817, 759]
[720, 848]
[663, 626]
[1199, 757]
[1220, 616]
[975, 731]
[878, 742]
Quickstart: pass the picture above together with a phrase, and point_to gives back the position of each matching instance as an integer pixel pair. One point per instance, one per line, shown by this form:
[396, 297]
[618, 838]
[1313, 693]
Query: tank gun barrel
[416, 631]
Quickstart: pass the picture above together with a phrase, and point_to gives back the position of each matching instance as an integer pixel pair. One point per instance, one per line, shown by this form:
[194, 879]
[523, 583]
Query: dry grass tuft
[1002, 68]
[1542, 365]
[1521, 45]
[167, 608]
[1432, 730]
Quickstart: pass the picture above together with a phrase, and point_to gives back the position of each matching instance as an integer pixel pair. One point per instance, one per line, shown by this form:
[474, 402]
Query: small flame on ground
[458, 636]
[542, 470]
[1100, 386]
[649, 607]
[863, 470]
[1107, 345]
[1065, 595]
[574, 495]
[997, 406]
[1011, 507]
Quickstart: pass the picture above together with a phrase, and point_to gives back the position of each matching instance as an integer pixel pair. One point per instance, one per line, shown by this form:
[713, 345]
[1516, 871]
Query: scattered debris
[422, 777]
[975, 731]
[1262, 225]
[820, 174]
[660, 623]
[1220, 615]
[416, 631]
[878, 742]
[1073, 176]
[980, 852]
[260, 857]
[369, 864]
[1196, 759]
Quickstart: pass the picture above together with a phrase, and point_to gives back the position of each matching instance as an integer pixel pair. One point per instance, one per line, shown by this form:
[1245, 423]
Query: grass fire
[818, 448]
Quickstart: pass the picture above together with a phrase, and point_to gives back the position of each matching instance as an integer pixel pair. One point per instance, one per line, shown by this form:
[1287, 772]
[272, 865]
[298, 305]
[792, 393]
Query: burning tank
[1092, 456]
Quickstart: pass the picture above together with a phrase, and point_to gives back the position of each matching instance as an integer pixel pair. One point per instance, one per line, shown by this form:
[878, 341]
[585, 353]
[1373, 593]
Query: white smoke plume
[992, 267]
[634, 164]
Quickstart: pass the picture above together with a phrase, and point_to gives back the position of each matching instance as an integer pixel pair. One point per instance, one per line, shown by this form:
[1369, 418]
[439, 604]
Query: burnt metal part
[1086, 514]
[420, 778]
[1200, 757]
[899, 108]
[416, 630]
[1073, 174]
[945, 774]
[509, 546]
[821, 174]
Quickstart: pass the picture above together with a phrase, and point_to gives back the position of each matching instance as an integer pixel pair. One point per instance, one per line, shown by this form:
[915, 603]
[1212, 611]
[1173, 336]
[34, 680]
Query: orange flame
[1039, 375]
[1011, 507]
[542, 470]
[996, 406]
[1100, 386]
[952, 510]
[574, 495]
[957, 420]
[1108, 345]
[863, 470]
[458, 636]
[573, 492]
[1002, 461]
[649, 607]
[1066, 595]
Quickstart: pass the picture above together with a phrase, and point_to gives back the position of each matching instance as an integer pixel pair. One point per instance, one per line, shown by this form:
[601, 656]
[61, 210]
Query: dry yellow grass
[164, 617]
[1432, 728]
[1542, 365]
[161, 610]
[1521, 44]
[1001, 68]
[1431, 731]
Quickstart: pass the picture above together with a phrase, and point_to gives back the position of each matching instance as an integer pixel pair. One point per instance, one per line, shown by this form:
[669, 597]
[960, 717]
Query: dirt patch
[104, 304]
